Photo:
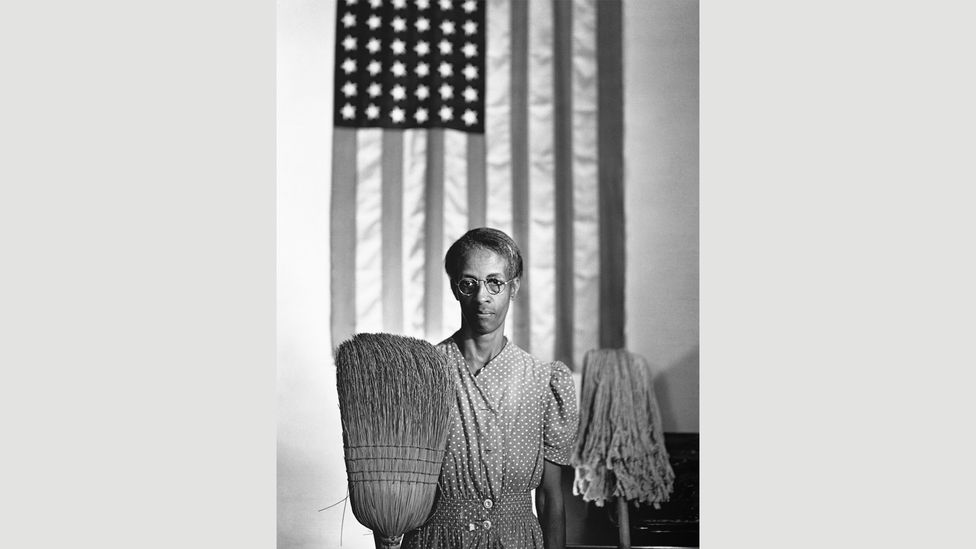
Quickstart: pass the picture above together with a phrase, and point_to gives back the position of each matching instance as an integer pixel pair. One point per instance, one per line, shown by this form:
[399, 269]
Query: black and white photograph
[454, 274]
[488, 274]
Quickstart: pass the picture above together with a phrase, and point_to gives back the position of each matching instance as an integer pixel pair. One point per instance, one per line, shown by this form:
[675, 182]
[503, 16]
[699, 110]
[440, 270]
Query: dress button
[471, 526]
[488, 504]
[486, 524]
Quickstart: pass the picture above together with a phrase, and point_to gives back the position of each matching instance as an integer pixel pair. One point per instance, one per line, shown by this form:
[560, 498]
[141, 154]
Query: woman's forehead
[482, 259]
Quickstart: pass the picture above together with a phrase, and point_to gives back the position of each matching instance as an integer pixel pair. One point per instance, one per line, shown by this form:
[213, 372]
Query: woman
[515, 417]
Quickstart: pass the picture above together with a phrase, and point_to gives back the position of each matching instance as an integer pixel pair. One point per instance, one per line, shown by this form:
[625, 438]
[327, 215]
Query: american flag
[454, 114]
[403, 64]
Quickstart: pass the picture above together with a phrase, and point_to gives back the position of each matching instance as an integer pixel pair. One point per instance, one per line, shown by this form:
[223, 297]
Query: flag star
[348, 111]
[372, 111]
[399, 4]
[470, 6]
[399, 24]
[375, 3]
[374, 89]
[373, 45]
[349, 42]
[469, 49]
[423, 92]
[445, 4]
[420, 116]
[470, 72]
[470, 117]
[470, 27]
[398, 46]
[374, 67]
[445, 46]
[470, 94]
[446, 113]
[445, 69]
[349, 65]
[398, 92]
[447, 92]
[348, 20]
[374, 21]
[423, 4]
[423, 69]
[349, 89]
[399, 69]
[422, 48]
[447, 27]
[422, 24]
[397, 114]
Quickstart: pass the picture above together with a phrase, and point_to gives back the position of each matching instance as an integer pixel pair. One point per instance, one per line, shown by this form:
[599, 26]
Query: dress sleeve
[561, 417]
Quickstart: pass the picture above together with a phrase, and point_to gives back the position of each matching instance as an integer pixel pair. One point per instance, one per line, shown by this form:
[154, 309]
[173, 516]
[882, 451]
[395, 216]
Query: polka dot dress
[510, 417]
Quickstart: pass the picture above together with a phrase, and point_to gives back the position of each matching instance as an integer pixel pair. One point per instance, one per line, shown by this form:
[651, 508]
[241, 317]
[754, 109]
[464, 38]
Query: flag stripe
[369, 218]
[434, 233]
[477, 186]
[455, 219]
[343, 235]
[521, 310]
[392, 230]
[498, 132]
[414, 218]
[586, 251]
[563, 175]
[610, 147]
[542, 276]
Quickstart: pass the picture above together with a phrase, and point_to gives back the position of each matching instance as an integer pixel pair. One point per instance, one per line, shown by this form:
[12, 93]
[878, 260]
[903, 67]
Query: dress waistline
[458, 512]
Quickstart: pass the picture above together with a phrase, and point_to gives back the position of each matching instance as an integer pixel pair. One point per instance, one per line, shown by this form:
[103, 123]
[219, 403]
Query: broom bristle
[395, 396]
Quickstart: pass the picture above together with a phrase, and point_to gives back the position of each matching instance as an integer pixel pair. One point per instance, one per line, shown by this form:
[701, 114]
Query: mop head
[395, 398]
[620, 450]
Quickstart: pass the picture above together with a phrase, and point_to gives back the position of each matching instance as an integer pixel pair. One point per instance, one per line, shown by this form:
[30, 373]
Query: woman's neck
[480, 349]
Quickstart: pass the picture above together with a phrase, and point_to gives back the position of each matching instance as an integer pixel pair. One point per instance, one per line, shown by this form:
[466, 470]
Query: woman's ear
[515, 287]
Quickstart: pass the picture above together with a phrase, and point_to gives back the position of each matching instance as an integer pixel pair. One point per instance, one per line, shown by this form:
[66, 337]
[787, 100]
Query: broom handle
[623, 523]
[383, 542]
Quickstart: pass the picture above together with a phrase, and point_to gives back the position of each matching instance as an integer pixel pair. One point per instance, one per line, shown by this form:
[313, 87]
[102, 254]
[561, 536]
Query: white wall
[661, 193]
[662, 230]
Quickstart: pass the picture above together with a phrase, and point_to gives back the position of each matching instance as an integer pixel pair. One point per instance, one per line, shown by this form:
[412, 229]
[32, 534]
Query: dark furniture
[675, 524]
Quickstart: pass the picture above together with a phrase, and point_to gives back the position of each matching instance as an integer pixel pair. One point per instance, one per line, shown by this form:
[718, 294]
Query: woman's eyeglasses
[469, 286]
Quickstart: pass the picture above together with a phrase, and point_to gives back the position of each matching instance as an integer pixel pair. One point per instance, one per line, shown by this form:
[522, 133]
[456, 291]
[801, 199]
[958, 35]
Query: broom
[395, 398]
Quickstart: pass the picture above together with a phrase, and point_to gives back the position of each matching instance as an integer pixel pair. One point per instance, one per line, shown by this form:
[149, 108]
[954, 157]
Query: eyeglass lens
[469, 286]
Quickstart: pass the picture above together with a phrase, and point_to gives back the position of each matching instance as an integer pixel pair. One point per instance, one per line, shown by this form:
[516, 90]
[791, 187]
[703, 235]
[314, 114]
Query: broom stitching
[396, 446]
[367, 458]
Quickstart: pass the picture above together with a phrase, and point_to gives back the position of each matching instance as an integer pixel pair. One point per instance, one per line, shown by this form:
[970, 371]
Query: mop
[620, 453]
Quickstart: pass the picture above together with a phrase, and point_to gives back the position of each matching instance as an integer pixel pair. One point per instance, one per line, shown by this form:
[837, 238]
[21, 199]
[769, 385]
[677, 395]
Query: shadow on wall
[672, 386]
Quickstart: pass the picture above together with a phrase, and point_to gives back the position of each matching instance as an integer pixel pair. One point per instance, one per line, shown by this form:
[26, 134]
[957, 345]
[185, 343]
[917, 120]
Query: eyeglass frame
[457, 284]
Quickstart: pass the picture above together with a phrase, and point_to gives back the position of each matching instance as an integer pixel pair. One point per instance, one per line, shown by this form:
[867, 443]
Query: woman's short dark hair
[484, 238]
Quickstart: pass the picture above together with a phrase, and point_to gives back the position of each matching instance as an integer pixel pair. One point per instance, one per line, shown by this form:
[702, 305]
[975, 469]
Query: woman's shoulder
[548, 368]
[444, 344]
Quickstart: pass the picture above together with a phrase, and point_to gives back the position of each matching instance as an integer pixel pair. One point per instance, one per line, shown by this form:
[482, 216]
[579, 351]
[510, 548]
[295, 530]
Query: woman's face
[481, 312]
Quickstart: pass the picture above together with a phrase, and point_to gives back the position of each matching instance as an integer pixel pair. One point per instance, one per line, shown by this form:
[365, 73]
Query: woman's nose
[483, 294]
